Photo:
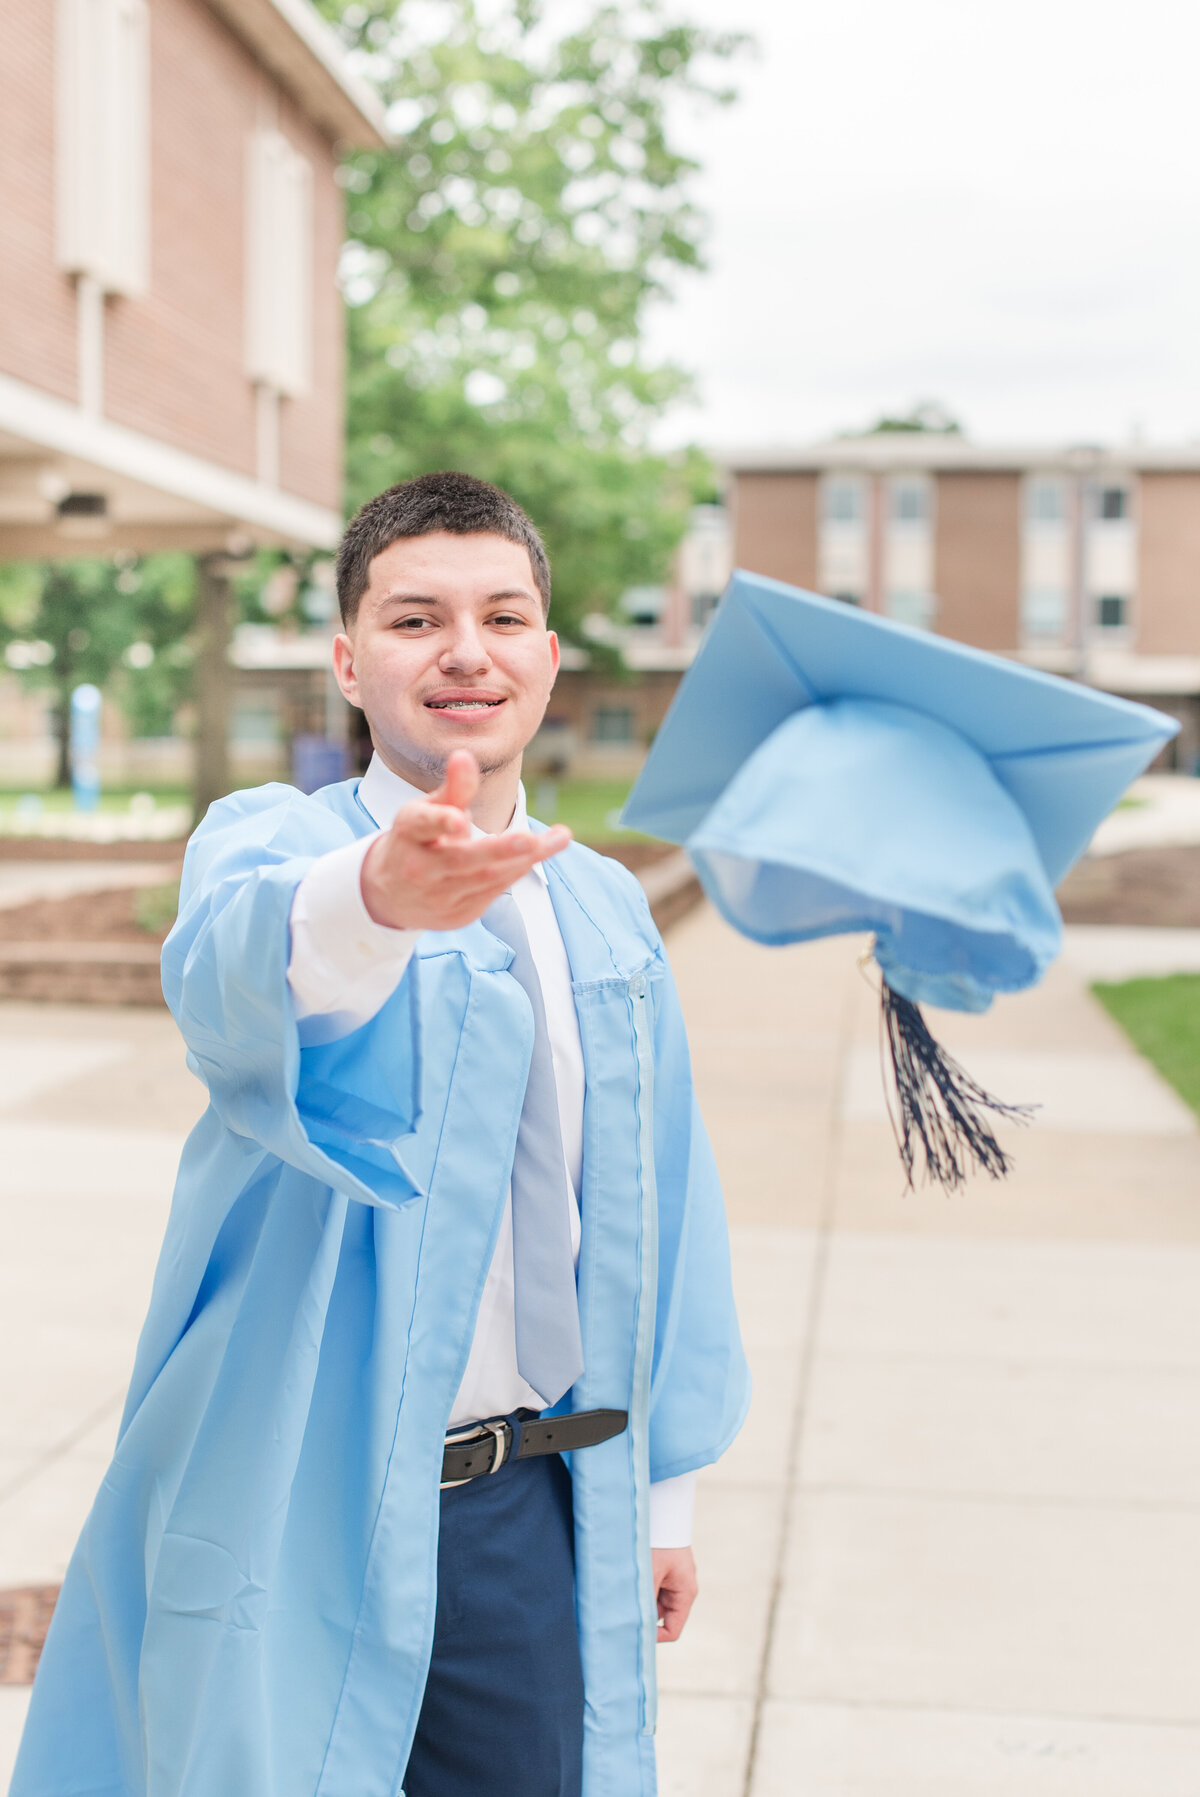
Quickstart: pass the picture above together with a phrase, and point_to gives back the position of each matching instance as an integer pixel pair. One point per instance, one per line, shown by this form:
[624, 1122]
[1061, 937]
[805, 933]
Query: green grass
[589, 807]
[58, 800]
[1161, 1017]
[155, 907]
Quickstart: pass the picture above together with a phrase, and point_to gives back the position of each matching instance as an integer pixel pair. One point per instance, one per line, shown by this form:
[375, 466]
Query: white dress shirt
[343, 967]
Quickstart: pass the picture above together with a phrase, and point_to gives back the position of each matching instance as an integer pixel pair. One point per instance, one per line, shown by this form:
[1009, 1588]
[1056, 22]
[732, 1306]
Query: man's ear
[343, 667]
[555, 655]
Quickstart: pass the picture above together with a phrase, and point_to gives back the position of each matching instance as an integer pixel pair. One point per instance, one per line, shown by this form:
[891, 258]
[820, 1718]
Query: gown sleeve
[700, 1385]
[343, 965]
[343, 1111]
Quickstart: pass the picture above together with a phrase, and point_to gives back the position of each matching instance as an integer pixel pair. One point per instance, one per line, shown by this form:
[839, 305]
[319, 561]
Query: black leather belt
[490, 1445]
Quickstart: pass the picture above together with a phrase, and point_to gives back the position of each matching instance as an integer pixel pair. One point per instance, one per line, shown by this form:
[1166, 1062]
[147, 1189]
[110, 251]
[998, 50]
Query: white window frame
[102, 71]
[843, 543]
[279, 265]
[1045, 616]
[1111, 486]
[919, 485]
[912, 606]
[1048, 549]
[1111, 551]
[610, 710]
[909, 546]
[835, 483]
[1034, 518]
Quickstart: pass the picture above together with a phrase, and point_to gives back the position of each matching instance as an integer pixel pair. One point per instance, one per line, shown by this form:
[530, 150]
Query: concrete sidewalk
[956, 1550]
[30, 882]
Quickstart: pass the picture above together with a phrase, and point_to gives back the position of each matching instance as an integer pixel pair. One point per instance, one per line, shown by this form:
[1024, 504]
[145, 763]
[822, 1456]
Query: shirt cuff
[343, 965]
[672, 1502]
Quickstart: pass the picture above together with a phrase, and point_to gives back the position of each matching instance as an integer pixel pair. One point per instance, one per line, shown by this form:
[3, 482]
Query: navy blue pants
[503, 1705]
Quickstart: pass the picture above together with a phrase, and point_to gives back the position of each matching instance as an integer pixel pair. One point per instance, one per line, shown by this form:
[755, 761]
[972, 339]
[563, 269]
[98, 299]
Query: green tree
[121, 625]
[928, 417]
[502, 257]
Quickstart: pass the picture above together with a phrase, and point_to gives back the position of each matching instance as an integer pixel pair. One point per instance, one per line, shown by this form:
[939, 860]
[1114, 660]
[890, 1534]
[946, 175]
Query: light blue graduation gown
[250, 1608]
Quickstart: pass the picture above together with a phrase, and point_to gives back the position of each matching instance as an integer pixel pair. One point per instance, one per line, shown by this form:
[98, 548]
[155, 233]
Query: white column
[89, 304]
[266, 420]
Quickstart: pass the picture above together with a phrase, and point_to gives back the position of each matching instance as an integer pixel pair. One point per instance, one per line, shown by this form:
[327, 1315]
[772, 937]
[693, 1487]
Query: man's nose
[465, 652]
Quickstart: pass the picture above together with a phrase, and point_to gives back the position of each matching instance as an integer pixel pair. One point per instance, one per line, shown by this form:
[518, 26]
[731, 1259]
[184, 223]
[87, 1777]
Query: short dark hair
[416, 508]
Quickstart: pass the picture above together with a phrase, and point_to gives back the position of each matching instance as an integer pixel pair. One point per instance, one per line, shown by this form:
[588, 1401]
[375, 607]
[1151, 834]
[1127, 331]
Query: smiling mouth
[462, 704]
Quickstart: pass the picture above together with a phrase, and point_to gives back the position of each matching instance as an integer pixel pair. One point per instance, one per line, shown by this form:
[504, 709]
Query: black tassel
[940, 1104]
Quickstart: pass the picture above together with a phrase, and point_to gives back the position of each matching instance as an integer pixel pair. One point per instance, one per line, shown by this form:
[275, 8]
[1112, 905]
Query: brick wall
[577, 694]
[310, 429]
[775, 526]
[977, 558]
[37, 301]
[174, 357]
[1167, 611]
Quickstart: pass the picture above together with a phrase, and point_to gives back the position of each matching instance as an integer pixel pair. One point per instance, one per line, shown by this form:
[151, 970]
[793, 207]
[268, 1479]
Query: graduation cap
[829, 770]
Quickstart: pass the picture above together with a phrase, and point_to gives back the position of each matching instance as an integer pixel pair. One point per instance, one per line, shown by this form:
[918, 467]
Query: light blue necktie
[549, 1347]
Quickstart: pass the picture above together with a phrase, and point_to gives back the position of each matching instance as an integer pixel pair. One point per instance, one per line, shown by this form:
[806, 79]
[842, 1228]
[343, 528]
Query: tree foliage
[120, 624]
[928, 417]
[502, 257]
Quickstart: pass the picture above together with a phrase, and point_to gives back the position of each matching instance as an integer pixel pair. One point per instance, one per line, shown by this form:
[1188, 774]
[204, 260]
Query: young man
[450, 1211]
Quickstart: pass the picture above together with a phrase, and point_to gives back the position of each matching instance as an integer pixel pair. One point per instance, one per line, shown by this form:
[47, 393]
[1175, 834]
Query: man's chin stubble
[433, 766]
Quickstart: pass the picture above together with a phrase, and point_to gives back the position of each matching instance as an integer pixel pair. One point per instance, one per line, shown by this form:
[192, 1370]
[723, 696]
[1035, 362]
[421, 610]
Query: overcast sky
[996, 206]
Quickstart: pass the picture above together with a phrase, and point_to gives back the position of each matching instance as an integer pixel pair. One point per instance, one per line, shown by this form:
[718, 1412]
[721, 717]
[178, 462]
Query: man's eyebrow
[402, 598]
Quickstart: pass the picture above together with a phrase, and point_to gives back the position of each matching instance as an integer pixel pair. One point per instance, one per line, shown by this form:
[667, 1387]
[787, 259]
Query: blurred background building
[170, 326]
[171, 331]
[1083, 561]
[172, 379]
[600, 724]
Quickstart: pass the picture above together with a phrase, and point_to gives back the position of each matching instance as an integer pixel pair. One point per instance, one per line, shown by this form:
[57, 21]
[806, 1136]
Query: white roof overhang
[156, 497]
[290, 38]
[937, 453]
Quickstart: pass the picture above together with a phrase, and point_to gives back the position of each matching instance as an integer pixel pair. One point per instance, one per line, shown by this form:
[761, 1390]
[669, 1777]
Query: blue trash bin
[317, 762]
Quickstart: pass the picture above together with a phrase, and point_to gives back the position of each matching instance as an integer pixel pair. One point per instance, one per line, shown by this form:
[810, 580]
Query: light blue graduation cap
[829, 770]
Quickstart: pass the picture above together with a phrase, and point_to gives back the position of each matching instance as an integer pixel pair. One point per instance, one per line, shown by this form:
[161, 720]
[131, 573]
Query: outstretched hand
[428, 873]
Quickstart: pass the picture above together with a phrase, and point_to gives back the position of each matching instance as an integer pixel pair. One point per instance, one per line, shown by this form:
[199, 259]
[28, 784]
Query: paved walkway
[1159, 809]
[956, 1550]
[28, 882]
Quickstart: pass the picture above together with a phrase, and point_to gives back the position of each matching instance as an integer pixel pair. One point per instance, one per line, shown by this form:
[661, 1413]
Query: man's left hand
[675, 1587]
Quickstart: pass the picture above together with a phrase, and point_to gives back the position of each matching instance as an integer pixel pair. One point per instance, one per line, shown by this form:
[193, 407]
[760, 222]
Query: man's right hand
[428, 873]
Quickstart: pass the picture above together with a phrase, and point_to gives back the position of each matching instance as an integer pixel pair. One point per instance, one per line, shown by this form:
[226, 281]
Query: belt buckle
[502, 1435]
[501, 1432]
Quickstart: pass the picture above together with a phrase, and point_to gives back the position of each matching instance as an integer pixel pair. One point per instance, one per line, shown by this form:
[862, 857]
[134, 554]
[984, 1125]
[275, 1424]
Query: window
[279, 264]
[644, 605]
[1044, 614]
[1112, 503]
[910, 607]
[1112, 612]
[910, 502]
[255, 723]
[103, 141]
[1047, 502]
[612, 724]
[843, 501]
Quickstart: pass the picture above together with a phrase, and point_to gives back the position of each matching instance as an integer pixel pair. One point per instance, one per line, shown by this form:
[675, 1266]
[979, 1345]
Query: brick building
[170, 325]
[600, 725]
[1082, 561]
